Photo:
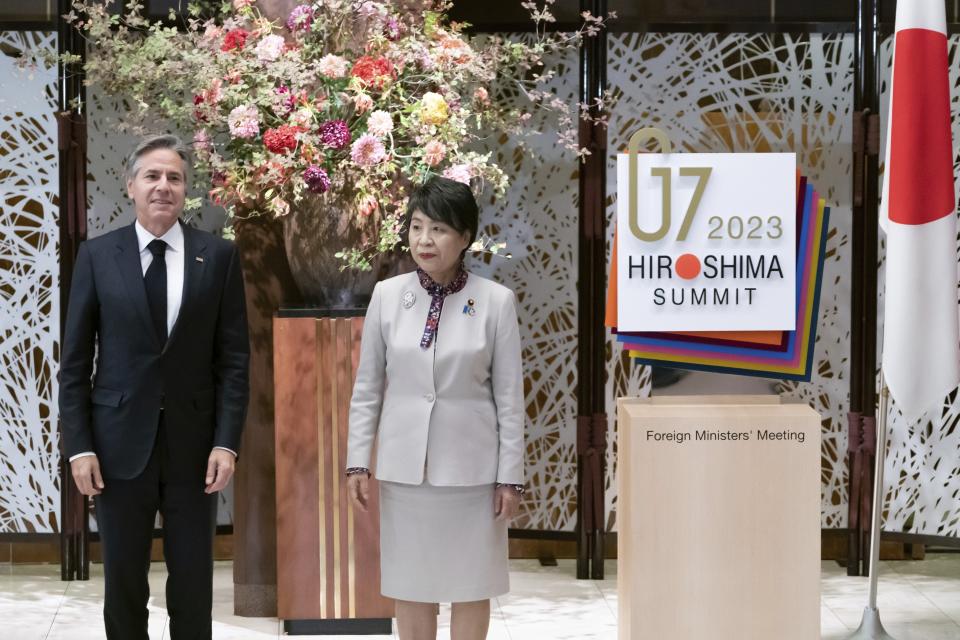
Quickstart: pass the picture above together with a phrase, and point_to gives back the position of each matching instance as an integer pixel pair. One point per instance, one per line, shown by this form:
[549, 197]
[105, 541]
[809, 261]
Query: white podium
[718, 516]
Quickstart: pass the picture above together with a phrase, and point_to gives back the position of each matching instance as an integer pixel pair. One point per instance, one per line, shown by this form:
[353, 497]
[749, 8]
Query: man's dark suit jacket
[199, 377]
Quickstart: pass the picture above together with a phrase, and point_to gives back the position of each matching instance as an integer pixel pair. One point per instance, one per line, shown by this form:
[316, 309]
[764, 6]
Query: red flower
[235, 39]
[375, 72]
[282, 139]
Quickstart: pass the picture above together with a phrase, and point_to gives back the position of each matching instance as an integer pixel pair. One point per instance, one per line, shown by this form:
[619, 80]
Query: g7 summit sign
[706, 242]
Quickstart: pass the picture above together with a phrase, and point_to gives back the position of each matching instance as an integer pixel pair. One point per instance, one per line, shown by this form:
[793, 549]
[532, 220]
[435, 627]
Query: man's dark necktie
[155, 281]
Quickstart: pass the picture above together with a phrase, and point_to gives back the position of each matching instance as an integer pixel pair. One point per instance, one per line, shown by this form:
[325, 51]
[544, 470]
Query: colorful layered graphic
[774, 354]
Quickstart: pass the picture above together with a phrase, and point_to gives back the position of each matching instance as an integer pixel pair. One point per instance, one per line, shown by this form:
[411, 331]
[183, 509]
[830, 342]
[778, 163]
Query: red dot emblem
[688, 266]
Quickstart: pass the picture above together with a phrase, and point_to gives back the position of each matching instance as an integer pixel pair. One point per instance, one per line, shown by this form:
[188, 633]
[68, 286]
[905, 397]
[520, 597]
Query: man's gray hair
[152, 143]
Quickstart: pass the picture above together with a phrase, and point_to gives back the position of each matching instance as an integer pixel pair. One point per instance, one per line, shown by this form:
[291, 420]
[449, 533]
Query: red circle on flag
[920, 171]
[688, 266]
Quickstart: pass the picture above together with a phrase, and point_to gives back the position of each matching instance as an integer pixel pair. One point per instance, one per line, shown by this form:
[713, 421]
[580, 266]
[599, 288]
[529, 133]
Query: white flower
[380, 123]
[332, 66]
[270, 48]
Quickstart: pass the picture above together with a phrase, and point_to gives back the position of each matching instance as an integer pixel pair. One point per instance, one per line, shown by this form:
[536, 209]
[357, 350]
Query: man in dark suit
[159, 308]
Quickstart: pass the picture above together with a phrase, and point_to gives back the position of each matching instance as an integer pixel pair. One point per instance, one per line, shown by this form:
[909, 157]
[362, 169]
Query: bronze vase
[315, 230]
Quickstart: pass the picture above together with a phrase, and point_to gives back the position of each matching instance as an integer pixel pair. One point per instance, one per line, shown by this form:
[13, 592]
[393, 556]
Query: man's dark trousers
[126, 512]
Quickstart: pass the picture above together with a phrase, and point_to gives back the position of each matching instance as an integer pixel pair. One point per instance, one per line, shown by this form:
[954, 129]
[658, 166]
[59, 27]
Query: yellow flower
[433, 109]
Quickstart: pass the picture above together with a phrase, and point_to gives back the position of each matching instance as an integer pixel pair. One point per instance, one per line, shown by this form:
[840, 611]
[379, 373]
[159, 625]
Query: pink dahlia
[367, 151]
[335, 134]
[244, 122]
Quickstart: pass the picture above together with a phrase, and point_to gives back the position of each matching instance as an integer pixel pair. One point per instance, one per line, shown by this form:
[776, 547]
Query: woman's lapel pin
[408, 300]
[468, 308]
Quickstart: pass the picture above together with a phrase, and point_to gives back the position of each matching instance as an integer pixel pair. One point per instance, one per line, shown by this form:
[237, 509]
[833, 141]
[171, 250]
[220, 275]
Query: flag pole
[870, 626]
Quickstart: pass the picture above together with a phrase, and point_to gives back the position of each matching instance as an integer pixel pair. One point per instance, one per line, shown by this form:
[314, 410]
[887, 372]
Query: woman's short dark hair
[447, 201]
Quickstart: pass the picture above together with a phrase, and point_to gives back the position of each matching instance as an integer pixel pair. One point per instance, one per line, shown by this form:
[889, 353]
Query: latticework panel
[29, 290]
[538, 219]
[765, 92]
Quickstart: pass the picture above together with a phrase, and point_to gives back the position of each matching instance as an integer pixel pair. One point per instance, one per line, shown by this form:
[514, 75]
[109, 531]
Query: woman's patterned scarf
[437, 293]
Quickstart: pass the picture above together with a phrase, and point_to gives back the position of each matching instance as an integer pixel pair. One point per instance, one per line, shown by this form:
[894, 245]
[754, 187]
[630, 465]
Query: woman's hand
[358, 490]
[506, 500]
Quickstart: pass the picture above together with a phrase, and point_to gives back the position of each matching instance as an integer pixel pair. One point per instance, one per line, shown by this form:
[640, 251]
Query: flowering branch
[357, 97]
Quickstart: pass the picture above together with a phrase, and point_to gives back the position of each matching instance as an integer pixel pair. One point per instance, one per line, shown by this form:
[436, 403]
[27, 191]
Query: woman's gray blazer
[455, 409]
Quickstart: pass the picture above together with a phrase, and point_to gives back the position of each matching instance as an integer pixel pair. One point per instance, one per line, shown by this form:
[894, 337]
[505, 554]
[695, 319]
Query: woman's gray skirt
[441, 544]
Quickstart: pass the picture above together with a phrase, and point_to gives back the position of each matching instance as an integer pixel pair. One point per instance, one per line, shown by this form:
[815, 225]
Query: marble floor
[918, 600]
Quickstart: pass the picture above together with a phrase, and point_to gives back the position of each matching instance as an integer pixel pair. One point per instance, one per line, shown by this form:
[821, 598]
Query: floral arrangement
[360, 98]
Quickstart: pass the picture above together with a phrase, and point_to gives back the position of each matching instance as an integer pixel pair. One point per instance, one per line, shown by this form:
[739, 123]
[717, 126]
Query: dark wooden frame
[591, 332]
[863, 306]
[74, 507]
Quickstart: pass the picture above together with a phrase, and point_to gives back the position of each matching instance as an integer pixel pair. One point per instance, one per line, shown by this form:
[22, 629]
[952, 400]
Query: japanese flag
[921, 341]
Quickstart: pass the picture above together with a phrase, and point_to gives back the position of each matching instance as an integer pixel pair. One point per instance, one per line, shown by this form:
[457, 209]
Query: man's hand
[86, 473]
[220, 467]
[358, 490]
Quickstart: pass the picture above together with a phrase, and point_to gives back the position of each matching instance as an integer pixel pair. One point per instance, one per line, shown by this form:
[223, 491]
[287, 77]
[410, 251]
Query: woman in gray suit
[440, 389]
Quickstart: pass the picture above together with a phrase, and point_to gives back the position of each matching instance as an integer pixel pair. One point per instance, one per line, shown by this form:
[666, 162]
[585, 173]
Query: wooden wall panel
[328, 555]
[299, 541]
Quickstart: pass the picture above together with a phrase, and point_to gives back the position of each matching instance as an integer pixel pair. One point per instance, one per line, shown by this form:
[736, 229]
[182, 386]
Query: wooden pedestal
[328, 555]
[719, 537]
